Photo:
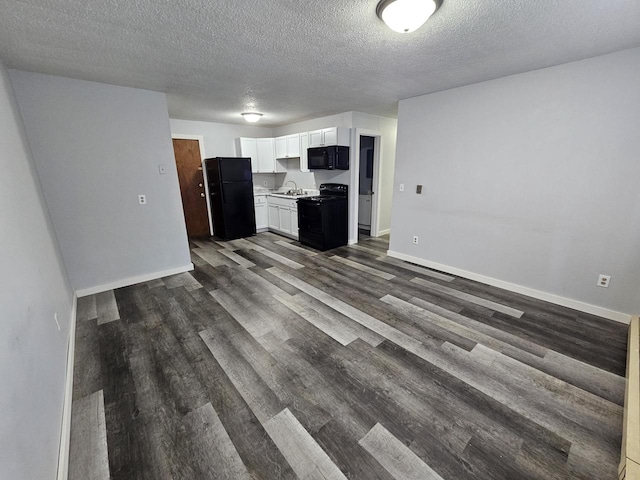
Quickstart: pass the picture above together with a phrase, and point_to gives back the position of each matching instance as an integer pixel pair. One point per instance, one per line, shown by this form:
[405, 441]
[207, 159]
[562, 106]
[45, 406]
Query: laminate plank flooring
[274, 361]
[106, 307]
[302, 452]
[470, 298]
[88, 445]
[395, 457]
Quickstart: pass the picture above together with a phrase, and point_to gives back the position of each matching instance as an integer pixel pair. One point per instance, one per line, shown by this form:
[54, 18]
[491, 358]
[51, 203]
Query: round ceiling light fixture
[251, 117]
[405, 16]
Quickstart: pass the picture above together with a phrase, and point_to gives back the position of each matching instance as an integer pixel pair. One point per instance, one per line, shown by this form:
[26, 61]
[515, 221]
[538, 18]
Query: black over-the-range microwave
[328, 158]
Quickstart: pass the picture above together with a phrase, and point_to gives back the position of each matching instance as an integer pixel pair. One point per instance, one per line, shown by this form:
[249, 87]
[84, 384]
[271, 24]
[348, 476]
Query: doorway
[192, 186]
[365, 185]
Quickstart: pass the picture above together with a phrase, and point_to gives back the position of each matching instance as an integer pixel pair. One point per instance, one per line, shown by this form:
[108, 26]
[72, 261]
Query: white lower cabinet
[285, 219]
[274, 217]
[283, 216]
[262, 215]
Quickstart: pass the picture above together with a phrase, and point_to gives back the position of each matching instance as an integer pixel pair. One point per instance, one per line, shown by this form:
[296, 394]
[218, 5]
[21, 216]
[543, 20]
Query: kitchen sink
[291, 194]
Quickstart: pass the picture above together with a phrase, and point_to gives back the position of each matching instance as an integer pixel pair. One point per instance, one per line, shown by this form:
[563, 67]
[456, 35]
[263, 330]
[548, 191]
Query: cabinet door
[315, 139]
[293, 145]
[294, 222]
[262, 216]
[266, 155]
[281, 147]
[274, 217]
[248, 148]
[285, 219]
[330, 136]
[304, 155]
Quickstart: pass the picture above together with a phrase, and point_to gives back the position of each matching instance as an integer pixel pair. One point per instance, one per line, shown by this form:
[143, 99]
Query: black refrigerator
[231, 189]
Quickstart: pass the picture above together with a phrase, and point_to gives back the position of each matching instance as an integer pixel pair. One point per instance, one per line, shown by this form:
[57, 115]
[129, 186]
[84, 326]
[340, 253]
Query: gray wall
[96, 148]
[531, 179]
[33, 287]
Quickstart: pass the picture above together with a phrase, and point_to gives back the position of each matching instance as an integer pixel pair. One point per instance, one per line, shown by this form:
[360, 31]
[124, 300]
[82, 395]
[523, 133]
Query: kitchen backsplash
[307, 180]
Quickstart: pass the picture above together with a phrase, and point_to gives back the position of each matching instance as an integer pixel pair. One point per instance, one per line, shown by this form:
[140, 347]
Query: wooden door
[191, 178]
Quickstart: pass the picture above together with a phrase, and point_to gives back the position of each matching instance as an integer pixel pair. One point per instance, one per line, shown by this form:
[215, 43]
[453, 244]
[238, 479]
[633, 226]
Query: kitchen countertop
[283, 195]
[280, 193]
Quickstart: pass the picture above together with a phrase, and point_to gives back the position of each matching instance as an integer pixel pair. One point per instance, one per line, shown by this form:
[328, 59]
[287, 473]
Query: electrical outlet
[603, 281]
[402, 187]
[162, 169]
[142, 199]
[415, 240]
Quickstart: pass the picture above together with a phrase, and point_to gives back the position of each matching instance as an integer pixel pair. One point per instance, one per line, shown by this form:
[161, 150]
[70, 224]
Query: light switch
[419, 189]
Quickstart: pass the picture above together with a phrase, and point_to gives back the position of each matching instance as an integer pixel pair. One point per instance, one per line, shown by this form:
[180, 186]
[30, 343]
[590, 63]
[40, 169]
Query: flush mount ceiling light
[251, 117]
[405, 16]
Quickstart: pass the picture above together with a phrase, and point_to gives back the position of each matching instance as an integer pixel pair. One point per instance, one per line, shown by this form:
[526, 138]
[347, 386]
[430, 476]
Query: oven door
[310, 216]
[318, 158]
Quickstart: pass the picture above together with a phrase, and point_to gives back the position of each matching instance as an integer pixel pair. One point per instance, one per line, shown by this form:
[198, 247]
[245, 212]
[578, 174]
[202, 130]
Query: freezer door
[235, 170]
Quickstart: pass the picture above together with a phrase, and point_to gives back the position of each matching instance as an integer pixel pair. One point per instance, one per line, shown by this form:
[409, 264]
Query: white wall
[388, 128]
[339, 120]
[97, 147]
[219, 138]
[33, 287]
[531, 179]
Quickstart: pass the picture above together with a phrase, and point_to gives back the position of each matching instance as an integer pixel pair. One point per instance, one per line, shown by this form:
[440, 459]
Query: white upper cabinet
[328, 137]
[316, 138]
[288, 146]
[304, 155]
[281, 147]
[249, 148]
[266, 157]
[262, 154]
[293, 145]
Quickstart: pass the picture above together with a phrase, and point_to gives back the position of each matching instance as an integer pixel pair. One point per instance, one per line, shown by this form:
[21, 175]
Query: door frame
[355, 183]
[200, 139]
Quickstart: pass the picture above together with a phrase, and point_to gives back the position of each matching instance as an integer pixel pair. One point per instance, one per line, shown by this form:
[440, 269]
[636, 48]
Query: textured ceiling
[297, 59]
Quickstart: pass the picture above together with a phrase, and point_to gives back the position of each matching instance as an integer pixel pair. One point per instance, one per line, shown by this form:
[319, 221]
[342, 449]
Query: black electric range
[323, 221]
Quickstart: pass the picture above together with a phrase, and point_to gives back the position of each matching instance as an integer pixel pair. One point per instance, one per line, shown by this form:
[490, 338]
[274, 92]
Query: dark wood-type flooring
[274, 361]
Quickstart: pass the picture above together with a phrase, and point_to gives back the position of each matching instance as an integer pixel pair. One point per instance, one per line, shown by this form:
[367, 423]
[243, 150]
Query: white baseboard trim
[65, 432]
[512, 287]
[125, 282]
[383, 232]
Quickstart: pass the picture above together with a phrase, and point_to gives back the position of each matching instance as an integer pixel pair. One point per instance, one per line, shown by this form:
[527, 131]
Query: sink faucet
[295, 186]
